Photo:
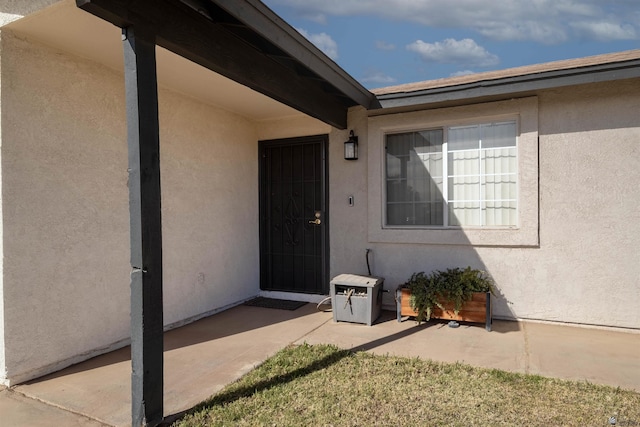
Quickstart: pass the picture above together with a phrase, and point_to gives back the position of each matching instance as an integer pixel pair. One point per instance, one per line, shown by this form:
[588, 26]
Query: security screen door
[293, 215]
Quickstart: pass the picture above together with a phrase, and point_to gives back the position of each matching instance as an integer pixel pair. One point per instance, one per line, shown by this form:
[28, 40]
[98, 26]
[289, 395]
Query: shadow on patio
[203, 357]
[199, 360]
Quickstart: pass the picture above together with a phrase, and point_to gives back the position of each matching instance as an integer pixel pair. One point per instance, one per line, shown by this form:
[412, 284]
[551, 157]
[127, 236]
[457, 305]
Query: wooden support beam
[146, 227]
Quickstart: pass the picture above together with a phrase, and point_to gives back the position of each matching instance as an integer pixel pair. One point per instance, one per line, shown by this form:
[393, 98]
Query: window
[476, 186]
[401, 209]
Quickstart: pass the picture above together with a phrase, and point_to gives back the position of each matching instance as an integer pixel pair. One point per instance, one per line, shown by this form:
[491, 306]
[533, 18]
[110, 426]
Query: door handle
[316, 221]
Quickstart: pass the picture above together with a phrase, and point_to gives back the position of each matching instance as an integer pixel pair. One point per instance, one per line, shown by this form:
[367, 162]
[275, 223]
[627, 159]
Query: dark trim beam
[266, 23]
[146, 227]
[197, 30]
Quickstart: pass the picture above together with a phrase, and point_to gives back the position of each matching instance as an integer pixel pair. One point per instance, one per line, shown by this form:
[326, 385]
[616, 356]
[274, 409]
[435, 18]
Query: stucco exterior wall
[348, 230]
[2, 361]
[210, 212]
[291, 127]
[585, 268]
[12, 10]
[65, 208]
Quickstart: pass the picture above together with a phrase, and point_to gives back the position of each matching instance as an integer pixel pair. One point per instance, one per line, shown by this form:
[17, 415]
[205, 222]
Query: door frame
[324, 184]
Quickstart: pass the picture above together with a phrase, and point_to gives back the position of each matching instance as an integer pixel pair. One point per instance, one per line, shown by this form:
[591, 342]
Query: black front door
[293, 215]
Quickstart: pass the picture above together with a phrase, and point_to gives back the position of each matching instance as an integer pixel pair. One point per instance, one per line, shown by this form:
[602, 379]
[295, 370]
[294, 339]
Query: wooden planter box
[478, 310]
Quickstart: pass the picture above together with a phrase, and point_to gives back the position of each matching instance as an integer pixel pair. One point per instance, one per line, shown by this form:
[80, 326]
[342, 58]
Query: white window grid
[481, 191]
[482, 199]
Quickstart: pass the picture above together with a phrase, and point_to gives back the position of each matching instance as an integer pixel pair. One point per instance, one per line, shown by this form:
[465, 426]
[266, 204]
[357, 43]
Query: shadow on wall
[471, 183]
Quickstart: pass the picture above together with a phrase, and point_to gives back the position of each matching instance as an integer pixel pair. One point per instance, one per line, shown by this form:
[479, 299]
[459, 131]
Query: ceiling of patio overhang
[65, 27]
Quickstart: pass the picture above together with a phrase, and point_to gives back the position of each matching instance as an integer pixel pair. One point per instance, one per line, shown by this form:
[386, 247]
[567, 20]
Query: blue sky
[388, 42]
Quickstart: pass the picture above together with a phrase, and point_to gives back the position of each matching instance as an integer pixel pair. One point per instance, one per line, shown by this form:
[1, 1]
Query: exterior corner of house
[3, 368]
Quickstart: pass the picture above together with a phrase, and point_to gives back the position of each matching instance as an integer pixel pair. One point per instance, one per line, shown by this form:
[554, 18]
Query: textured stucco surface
[65, 205]
[290, 127]
[587, 266]
[11, 10]
[2, 362]
[210, 207]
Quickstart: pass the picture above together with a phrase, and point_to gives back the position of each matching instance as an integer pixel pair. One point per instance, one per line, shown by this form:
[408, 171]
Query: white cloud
[378, 77]
[318, 18]
[543, 32]
[545, 21]
[461, 73]
[451, 51]
[322, 41]
[605, 31]
[382, 45]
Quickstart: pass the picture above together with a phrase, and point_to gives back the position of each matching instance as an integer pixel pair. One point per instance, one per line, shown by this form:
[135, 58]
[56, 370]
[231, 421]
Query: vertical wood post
[146, 227]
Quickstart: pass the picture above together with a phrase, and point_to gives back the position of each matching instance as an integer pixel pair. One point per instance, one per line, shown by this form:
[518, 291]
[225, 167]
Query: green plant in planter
[439, 287]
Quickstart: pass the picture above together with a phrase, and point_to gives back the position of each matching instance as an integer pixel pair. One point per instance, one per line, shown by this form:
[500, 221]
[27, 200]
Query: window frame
[525, 234]
[444, 152]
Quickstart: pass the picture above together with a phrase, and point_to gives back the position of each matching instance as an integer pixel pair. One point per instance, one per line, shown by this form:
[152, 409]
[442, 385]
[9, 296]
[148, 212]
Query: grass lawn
[325, 386]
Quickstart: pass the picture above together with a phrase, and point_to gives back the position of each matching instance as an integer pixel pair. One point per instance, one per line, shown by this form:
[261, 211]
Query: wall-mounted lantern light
[351, 147]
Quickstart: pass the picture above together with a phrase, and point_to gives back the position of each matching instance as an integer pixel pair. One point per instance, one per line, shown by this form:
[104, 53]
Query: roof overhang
[504, 88]
[248, 43]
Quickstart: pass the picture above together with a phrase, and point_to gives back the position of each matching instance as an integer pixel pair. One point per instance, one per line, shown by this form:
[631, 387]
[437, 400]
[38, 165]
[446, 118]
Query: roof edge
[578, 65]
[513, 84]
[275, 29]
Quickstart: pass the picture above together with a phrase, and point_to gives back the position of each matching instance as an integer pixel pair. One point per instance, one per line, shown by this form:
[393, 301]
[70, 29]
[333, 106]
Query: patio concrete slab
[17, 411]
[503, 348]
[203, 357]
[569, 352]
[598, 356]
[199, 359]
